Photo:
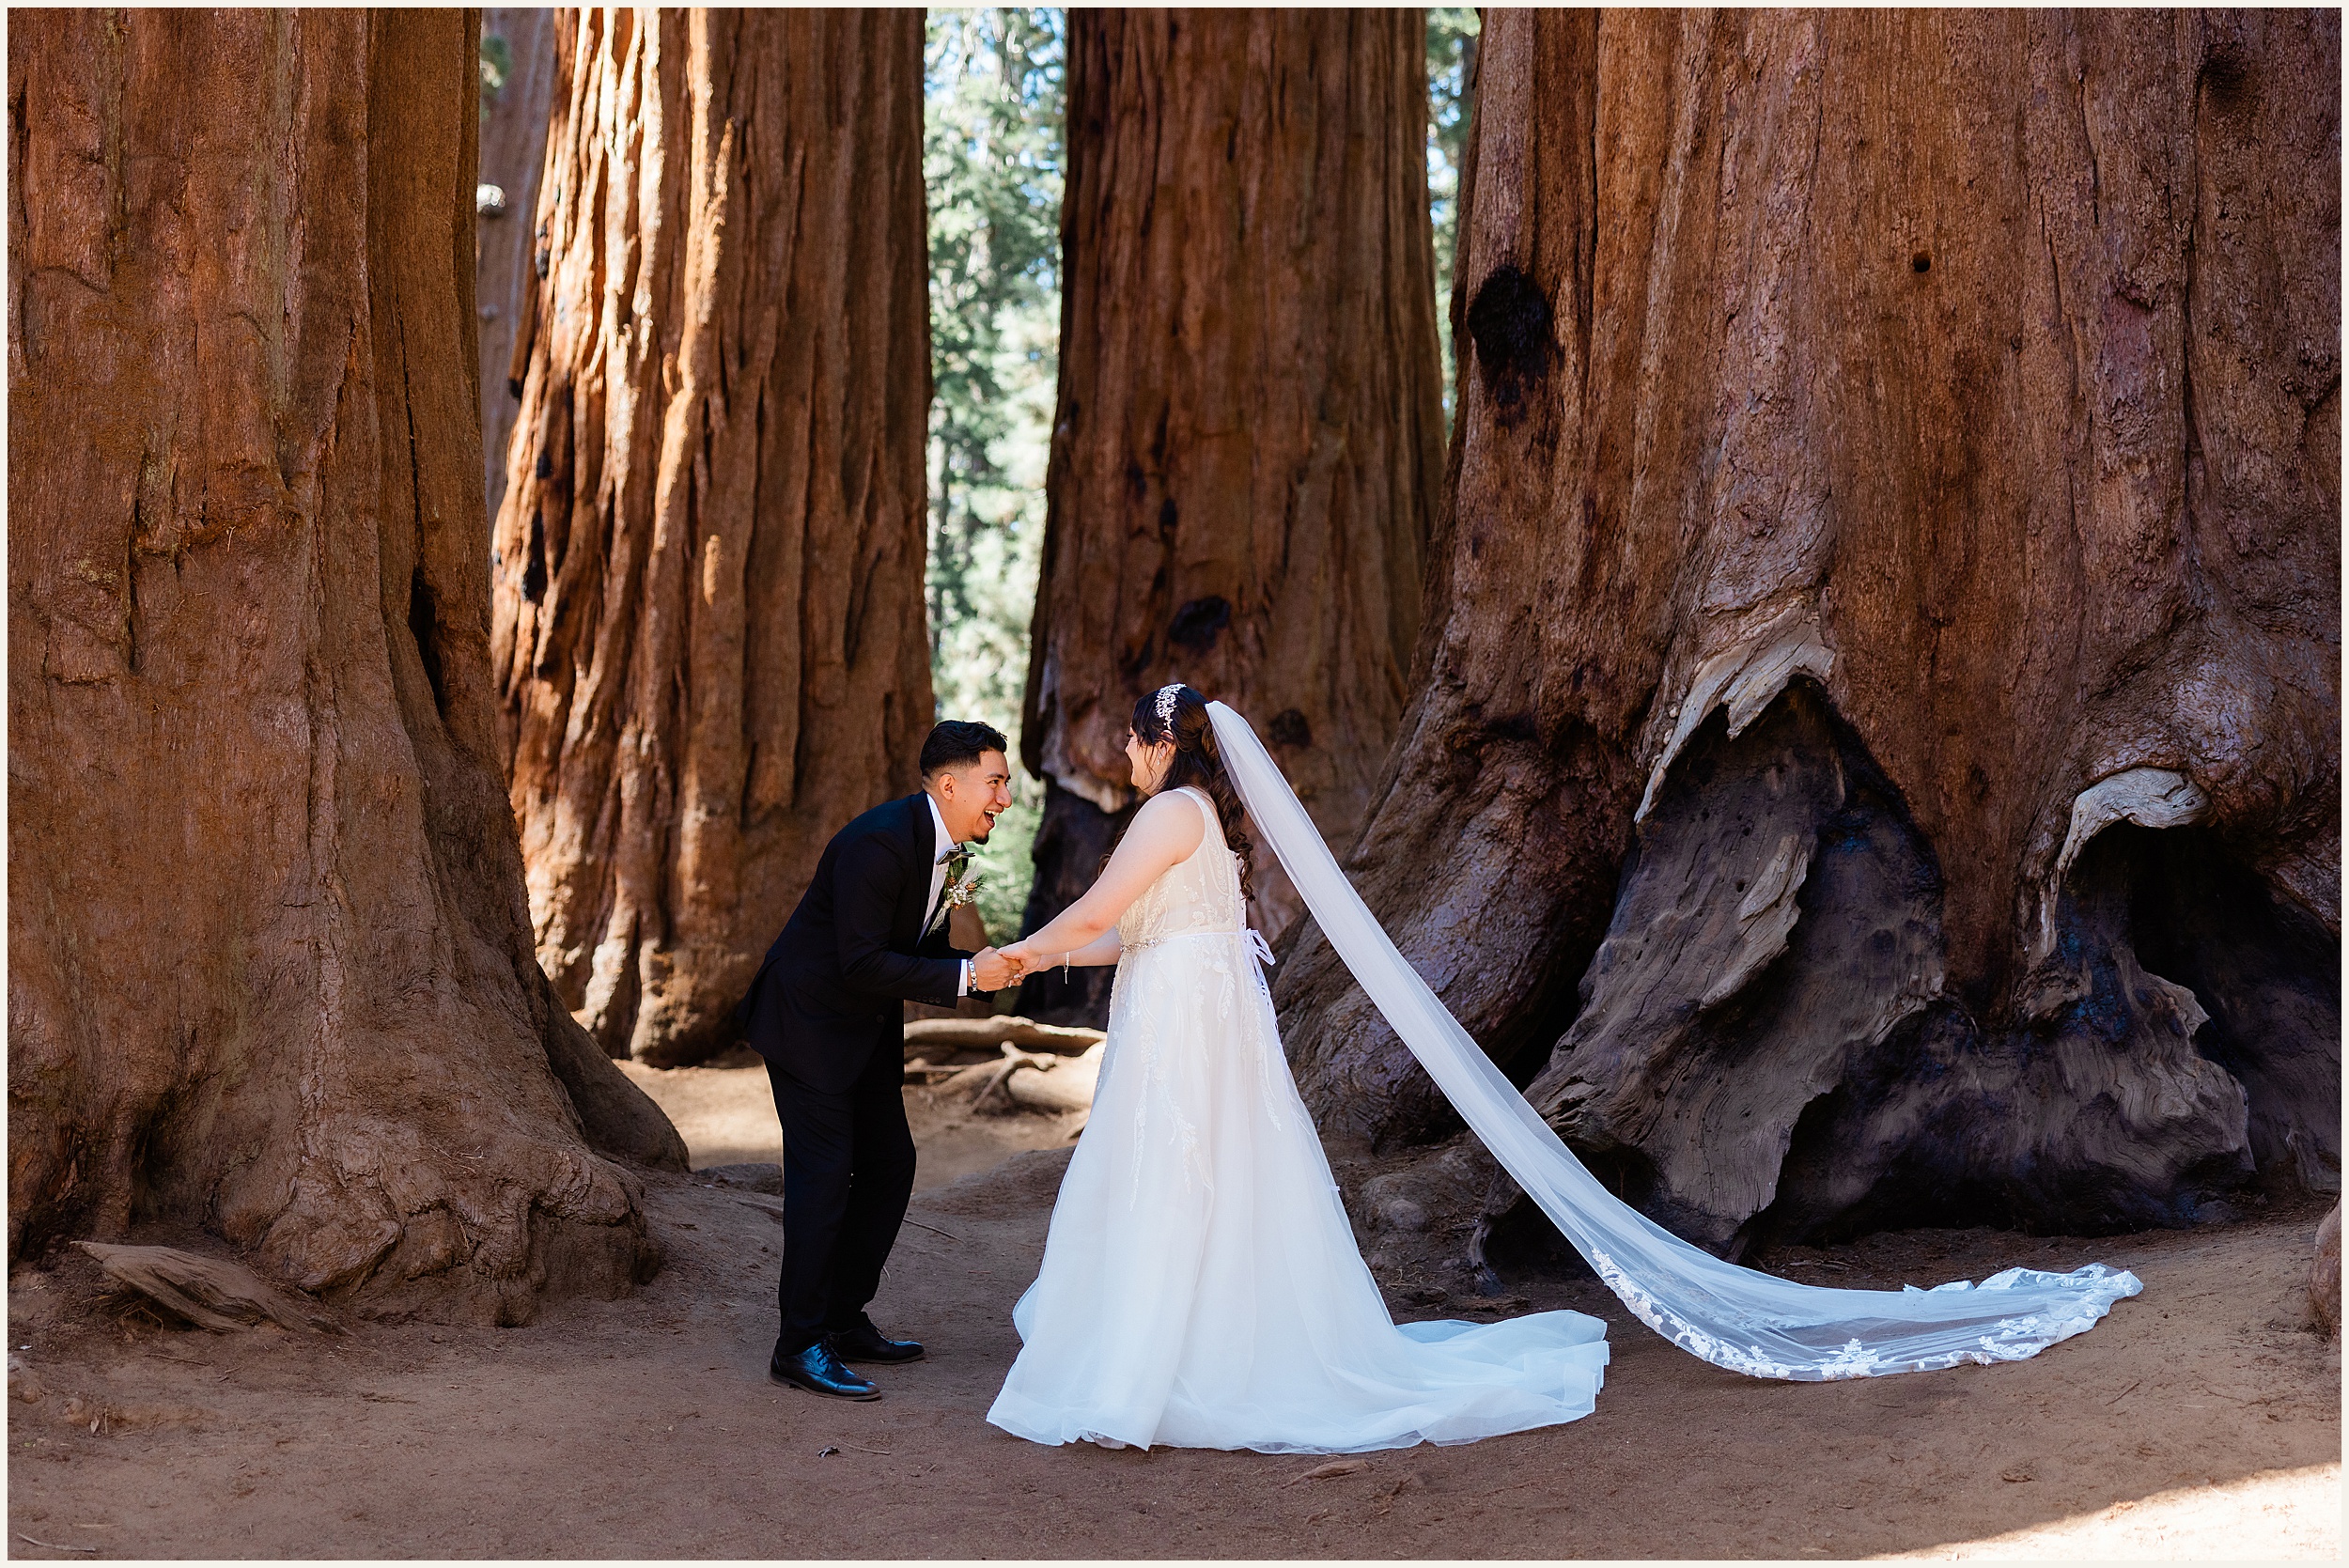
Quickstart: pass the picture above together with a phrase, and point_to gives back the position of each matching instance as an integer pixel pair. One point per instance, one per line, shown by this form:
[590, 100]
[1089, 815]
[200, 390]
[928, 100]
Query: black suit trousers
[848, 1172]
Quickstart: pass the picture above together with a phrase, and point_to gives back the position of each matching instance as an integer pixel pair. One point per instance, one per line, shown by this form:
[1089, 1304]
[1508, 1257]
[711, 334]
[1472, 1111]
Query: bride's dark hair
[1198, 764]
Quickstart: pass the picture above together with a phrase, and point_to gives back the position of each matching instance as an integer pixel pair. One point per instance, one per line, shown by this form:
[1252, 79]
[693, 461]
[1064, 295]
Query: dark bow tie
[950, 852]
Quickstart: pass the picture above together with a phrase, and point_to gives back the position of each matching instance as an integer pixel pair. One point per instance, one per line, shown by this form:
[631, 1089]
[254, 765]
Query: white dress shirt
[938, 884]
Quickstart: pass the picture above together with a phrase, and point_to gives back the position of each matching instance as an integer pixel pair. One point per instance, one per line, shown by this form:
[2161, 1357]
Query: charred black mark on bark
[1511, 323]
[131, 592]
[423, 627]
[1468, 740]
[422, 622]
[535, 562]
[557, 457]
[1196, 625]
[1290, 727]
[2227, 72]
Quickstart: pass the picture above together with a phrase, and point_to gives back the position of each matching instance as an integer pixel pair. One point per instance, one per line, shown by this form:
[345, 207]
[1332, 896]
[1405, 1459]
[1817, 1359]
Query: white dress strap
[1207, 807]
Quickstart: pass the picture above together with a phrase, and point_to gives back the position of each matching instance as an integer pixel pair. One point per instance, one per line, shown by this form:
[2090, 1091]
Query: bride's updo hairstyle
[1197, 764]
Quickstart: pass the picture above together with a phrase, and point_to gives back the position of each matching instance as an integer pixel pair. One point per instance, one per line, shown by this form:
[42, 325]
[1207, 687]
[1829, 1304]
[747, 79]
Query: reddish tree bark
[1887, 628]
[1246, 458]
[270, 969]
[708, 623]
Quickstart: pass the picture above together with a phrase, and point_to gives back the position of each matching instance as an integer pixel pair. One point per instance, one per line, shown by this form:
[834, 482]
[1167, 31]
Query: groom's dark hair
[959, 743]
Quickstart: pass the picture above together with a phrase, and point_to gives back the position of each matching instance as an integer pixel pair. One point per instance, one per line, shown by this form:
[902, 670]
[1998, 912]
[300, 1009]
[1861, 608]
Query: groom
[827, 1013]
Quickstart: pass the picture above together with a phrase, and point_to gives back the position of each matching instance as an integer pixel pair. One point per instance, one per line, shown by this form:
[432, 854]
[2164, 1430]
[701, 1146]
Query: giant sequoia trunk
[270, 969]
[1885, 635]
[1248, 447]
[708, 623]
[513, 152]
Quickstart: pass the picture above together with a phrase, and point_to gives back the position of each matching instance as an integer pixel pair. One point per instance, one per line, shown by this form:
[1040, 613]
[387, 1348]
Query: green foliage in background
[993, 154]
[1452, 32]
[497, 64]
[991, 160]
[1006, 867]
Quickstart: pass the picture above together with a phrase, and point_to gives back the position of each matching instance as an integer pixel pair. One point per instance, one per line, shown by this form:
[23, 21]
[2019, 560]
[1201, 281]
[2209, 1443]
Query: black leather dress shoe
[819, 1371]
[864, 1342]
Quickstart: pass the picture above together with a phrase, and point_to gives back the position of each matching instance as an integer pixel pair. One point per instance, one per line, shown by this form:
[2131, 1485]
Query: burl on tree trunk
[1885, 640]
[708, 632]
[270, 967]
[1248, 448]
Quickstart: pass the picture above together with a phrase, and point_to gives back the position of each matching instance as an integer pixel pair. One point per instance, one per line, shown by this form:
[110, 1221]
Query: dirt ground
[2202, 1419]
[727, 1115]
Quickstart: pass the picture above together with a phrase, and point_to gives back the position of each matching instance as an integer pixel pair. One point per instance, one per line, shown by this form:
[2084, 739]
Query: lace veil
[1733, 1317]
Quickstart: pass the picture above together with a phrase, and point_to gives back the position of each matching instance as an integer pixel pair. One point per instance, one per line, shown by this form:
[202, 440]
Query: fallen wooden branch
[933, 1035]
[993, 1078]
[1068, 1089]
[1028, 1080]
[210, 1293]
[980, 1076]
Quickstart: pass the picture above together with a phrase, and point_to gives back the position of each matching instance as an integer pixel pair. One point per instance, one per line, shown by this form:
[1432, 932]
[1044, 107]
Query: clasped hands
[994, 967]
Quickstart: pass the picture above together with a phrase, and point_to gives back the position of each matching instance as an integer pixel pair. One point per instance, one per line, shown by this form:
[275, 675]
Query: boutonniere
[960, 888]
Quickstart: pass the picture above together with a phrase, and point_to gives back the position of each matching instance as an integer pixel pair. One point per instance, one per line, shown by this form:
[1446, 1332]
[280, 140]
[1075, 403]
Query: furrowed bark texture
[269, 965]
[709, 630]
[513, 153]
[1886, 634]
[1248, 449]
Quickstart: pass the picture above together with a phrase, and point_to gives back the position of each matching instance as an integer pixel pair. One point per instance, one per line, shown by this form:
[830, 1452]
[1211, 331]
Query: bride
[1200, 1286]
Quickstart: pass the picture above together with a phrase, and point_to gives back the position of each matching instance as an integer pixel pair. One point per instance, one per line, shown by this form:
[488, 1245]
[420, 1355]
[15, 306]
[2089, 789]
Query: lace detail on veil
[2010, 1339]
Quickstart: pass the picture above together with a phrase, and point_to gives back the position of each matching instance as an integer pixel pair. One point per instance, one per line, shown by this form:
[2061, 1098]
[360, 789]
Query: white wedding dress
[1200, 1286]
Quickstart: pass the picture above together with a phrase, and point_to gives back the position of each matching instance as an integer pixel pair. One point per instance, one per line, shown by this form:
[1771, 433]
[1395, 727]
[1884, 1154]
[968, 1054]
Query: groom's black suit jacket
[831, 991]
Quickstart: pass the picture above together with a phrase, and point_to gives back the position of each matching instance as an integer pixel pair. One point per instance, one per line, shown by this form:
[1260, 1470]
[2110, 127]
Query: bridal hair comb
[1166, 706]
